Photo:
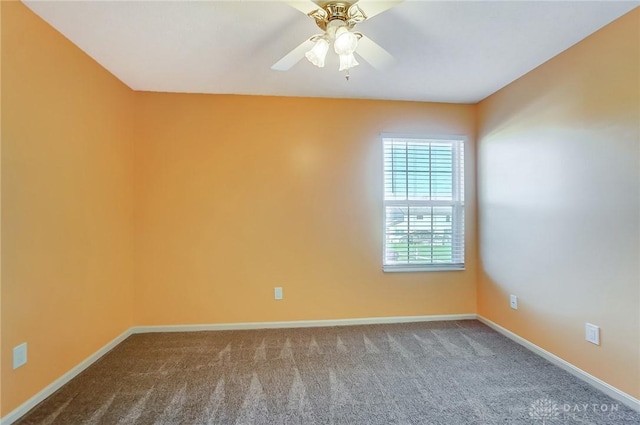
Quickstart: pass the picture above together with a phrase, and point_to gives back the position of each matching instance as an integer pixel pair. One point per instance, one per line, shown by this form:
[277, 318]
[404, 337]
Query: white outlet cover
[592, 333]
[277, 293]
[513, 302]
[19, 355]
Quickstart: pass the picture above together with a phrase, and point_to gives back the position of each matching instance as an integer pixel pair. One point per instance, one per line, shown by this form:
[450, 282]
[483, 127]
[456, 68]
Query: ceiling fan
[337, 19]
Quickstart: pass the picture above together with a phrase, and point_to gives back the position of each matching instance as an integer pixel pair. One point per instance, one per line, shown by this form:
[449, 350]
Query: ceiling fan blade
[372, 8]
[373, 53]
[304, 6]
[293, 57]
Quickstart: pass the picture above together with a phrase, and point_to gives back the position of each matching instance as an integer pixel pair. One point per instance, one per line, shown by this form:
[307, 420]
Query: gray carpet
[445, 373]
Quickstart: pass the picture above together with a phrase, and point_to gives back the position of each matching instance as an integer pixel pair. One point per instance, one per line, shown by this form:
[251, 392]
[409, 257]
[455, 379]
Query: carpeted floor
[445, 373]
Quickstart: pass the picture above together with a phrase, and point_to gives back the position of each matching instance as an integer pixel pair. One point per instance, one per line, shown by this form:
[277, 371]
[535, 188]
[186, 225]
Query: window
[423, 203]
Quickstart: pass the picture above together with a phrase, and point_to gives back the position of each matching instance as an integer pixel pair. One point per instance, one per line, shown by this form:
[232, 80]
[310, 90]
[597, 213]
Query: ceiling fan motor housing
[331, 11]
[337, 11]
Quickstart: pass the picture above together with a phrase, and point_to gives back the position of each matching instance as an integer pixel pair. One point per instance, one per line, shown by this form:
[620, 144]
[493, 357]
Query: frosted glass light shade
[345, 42]
[348, 61]
[318, 52]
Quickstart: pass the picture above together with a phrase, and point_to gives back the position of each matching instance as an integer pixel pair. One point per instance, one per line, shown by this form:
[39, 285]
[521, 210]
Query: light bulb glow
[347, 61]
[345, 42]
[318, 52]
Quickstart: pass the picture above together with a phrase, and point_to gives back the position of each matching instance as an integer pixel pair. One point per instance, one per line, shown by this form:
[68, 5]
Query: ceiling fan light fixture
[318, 52]
[347, 62]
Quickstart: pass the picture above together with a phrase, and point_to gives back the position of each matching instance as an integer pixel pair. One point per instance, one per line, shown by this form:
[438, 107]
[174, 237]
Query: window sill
[412, 269]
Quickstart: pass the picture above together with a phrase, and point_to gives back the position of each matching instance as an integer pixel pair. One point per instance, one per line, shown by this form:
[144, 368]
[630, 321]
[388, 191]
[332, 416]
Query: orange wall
[237, 194]
[67, 215]
[559, 184]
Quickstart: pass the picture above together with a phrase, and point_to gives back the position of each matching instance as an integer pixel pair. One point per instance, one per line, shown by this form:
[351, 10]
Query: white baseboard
[21, 410]
[300, 323]
[609, 390]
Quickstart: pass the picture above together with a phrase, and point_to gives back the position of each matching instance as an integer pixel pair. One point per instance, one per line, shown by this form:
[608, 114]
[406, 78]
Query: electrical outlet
[277, 293]
[592, 333]
[513, 301]
[19, 355]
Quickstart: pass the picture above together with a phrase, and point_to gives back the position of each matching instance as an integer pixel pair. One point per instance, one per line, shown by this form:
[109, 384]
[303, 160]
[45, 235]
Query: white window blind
[423, 203]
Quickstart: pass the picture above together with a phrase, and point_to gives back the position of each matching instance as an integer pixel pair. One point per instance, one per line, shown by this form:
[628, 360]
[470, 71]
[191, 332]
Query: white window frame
[458, 203]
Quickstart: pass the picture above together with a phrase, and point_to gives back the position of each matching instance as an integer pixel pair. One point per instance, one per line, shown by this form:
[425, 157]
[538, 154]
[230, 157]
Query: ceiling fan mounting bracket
[347, 12]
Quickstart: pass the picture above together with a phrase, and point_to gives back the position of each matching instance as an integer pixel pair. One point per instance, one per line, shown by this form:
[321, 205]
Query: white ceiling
[446, 51]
